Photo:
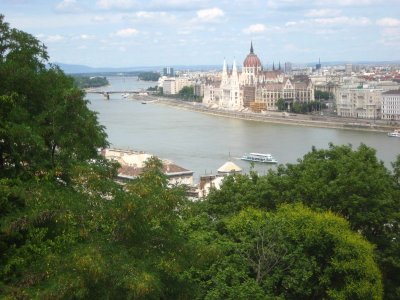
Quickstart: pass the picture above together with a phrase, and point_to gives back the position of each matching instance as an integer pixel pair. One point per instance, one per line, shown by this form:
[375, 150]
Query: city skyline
[128, 33]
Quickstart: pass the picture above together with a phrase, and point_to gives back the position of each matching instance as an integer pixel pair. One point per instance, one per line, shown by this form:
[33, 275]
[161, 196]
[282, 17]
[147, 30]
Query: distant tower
[273, 66]
[279, 68]
[224, 79]
[288, 67]
[318, 65]
[168, 71]
[234, 101]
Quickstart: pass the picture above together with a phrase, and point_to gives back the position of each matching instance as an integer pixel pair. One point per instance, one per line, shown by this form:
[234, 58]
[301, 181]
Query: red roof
[252, 61]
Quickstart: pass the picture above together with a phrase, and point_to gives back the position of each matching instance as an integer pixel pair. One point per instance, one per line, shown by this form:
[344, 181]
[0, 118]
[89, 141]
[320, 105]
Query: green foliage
[302, 108]
[41, 128]
[281, 105]
[153, 88]
[149, 76]
[351, 183]
[84, 82]
[321, 95]
[292, 253]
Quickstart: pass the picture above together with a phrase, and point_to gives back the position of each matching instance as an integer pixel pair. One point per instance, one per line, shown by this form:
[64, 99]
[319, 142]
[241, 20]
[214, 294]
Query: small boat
[260, 157]
[144, 102]
[395, 133]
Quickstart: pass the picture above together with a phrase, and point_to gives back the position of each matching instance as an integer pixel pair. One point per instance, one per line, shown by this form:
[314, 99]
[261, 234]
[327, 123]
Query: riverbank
[282, 118]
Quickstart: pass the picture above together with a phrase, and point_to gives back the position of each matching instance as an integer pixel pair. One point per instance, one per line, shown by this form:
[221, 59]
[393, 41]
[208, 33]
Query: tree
[292, 253]
[43, 128]
[321, 95]
[351, 183]
[186, 92]
[281, 105]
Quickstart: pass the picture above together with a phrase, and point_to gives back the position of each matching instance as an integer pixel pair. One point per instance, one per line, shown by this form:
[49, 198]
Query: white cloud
[85, 37]
[210, 14]
[52, 38]
[322, 12]
[388, 22]
[362, 21]
[348, 2]
[149, 16]
[127, 32]
[68, 6]
[178, 4]
[118, 4]
[391, 36]
[99, 19]
[255, 28]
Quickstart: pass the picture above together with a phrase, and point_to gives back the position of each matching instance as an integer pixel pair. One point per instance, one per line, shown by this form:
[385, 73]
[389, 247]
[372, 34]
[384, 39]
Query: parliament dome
[252, 60]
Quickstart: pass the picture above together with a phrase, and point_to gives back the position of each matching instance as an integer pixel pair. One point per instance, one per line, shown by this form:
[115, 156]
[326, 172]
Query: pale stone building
[359, 103]
[169, 86]
[391, 105]
[132, 164]
[173, 85]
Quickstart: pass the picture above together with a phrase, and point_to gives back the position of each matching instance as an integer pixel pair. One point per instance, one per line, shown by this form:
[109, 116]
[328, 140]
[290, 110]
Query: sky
[134, 33]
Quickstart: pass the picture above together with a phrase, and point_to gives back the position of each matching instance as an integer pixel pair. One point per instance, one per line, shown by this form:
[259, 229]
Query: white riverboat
[260, 157]
[395, 133]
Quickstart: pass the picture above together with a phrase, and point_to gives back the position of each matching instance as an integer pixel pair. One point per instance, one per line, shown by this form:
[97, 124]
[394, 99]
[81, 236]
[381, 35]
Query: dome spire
[251, 48]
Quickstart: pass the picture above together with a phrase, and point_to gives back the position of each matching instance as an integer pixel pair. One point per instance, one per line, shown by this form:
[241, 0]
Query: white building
[391, 105]
[172, 86]
[133, 162]
[359, 103]
[169, 86]
[208, 182]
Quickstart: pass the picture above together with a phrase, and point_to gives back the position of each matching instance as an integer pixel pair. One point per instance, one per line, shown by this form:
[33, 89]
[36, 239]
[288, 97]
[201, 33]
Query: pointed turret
[279, 68]
[234, 77]
[224, 69]
[224, 79]
[273, 66]
[234, 69]
[251, 48]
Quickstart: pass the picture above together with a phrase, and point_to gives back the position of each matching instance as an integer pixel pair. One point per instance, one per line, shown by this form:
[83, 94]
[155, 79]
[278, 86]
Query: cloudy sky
[117, 33]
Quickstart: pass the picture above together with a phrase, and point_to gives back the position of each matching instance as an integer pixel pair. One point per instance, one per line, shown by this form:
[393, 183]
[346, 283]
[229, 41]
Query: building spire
[279, 66]
[234, 68]
[251, 48]
[224, 69]
[273, 66]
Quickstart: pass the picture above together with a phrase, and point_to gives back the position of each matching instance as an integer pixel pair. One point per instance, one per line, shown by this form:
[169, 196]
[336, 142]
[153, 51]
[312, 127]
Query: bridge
[106, 94]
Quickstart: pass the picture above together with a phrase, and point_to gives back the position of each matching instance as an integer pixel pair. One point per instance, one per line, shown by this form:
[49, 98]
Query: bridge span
[106, 94]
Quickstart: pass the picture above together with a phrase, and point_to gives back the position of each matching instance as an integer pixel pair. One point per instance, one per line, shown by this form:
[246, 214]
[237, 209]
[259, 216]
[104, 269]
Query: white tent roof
[229, 167]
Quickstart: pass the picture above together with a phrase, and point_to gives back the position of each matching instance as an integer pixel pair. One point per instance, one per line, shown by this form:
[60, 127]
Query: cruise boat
[395, 133]
[260, 157]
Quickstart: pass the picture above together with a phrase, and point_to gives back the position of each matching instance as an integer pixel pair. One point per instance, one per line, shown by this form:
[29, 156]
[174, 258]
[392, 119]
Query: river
[202, 143]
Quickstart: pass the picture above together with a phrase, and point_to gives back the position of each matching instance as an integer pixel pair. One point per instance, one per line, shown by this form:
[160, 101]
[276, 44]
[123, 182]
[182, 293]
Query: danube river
[202, 143]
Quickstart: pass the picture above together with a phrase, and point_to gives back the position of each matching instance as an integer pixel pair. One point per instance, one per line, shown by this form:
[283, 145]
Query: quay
[282, 118]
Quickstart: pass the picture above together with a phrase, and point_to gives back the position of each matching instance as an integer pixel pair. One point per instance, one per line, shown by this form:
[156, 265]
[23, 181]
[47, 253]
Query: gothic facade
[255, 87]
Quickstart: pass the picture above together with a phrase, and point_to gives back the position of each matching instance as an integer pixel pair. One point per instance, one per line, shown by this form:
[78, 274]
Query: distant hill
[82, 69]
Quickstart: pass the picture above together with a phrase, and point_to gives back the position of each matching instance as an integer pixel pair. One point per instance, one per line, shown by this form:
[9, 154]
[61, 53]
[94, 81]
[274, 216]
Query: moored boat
[260, 157]
[395, 133]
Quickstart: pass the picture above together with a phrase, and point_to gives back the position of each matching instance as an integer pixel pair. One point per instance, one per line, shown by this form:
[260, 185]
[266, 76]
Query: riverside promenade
[283, 118]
